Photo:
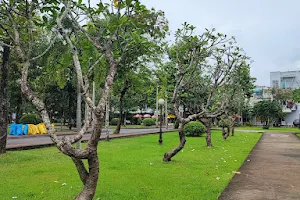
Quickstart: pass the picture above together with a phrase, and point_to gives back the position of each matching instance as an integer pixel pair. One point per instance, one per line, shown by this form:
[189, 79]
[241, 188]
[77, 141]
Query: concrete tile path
[271, 172]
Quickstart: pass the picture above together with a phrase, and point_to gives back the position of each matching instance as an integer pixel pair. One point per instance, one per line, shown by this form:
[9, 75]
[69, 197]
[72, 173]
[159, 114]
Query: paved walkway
[272, 171]
[34, 141]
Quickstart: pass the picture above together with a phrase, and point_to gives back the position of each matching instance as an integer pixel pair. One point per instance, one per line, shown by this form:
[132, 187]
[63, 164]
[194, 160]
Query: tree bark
[117, 131]
[89, 179]
[3, 99]
[167, 157]
[225, 133]
[232, 128]
[208, 136]
[123, 92]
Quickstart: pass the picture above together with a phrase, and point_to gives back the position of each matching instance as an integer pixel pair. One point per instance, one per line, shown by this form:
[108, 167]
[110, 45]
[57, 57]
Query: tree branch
[46, 50]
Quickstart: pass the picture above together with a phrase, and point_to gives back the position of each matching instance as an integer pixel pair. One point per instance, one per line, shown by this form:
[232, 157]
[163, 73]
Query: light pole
[161, 102]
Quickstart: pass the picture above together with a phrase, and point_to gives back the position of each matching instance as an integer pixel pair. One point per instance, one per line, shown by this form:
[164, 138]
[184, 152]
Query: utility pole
[166, 113]
[78, 114]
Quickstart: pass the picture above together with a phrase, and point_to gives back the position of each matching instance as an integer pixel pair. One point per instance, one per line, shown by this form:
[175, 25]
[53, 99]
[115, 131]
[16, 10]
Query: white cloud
[268, 30]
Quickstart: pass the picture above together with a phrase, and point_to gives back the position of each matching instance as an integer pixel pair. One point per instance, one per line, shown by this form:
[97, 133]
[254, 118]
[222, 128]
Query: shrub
[139, 121]
[149, 122]
[194, 129]
[114, 121]
[248, 124]
[225, 121]
[30, 119]
[266, 126]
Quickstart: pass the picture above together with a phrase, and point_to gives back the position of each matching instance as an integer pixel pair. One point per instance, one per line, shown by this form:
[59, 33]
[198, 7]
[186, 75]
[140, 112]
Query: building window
[275, 84]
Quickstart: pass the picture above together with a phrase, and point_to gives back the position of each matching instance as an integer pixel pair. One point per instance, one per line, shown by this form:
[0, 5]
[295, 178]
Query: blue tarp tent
[18, 129]
[25, 129]
[12, 130]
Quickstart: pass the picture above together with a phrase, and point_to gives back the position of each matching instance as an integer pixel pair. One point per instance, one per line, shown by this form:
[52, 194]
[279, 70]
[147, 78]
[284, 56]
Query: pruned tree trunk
[117, 131]
[225, 132]
[89, 179]
[3, 99]
[123, 92]
[207, 123]
[170, 154]
[232, 129]
[208, 136]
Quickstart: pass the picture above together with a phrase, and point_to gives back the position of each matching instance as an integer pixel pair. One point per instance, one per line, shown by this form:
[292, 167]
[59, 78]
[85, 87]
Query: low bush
[248, 124]
[30, 119]
[266, 126]
[139, 121]
[149, 122]
[194, 129]
[114, 121]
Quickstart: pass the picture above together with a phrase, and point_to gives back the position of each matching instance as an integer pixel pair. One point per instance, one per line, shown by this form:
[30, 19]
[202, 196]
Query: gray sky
[268, 30]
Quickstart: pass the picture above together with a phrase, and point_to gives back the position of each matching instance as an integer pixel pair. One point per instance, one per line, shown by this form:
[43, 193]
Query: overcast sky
[268, 30]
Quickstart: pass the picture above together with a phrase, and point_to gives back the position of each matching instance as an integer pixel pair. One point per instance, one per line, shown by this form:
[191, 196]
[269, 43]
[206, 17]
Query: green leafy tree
[296, 95]
[4, 69]
[207, 69]
[267, 112]
[117, 35]
[281, 95]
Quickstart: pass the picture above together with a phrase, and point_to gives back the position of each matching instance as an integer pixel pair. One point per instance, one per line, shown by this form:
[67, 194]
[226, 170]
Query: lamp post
[161, 102]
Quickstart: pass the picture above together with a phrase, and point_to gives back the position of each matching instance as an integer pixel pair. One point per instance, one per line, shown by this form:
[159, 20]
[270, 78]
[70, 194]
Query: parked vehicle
[296, 122]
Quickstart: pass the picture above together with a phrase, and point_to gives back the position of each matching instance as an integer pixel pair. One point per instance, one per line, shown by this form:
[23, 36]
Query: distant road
[28, 142]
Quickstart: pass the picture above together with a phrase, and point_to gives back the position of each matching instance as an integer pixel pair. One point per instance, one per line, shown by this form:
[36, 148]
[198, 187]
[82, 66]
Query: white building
[292, 112]
[288, 79]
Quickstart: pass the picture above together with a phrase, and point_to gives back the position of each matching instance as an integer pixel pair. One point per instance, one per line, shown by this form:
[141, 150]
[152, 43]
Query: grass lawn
[130, 168]
[271, 129]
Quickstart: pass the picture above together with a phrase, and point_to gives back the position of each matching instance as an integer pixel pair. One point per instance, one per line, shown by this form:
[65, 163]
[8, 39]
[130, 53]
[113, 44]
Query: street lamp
[161, 102]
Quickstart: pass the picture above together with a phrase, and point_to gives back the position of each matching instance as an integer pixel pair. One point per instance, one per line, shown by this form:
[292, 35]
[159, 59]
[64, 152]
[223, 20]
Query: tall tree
[205, 66]
[128, 87]
[4, 68]
[267, 112]
[116, 34]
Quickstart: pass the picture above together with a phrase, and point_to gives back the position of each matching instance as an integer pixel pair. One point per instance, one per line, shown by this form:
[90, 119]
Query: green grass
[298, 134]
[130, 168]
[271, 129]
